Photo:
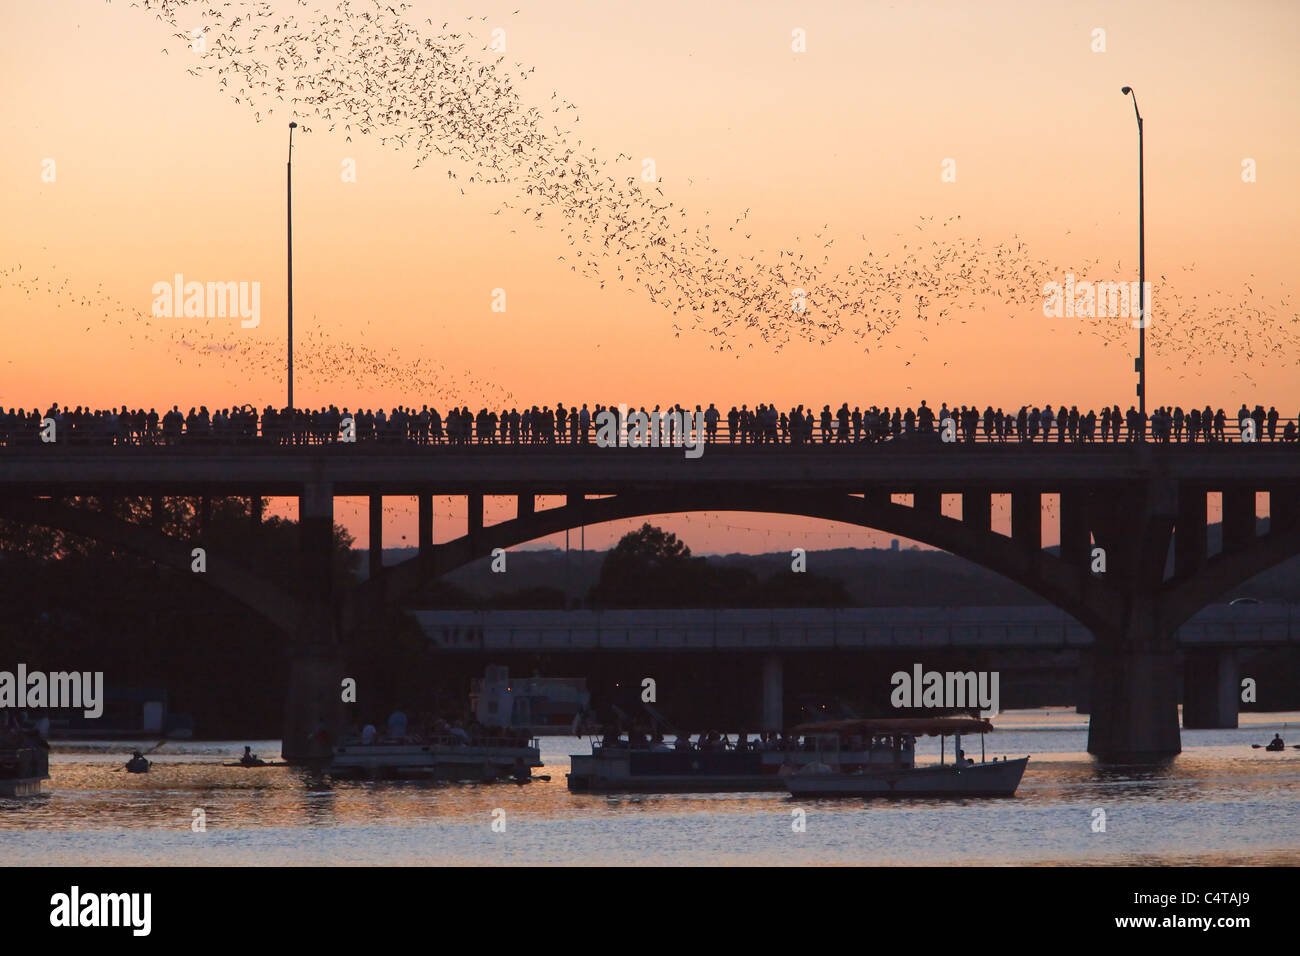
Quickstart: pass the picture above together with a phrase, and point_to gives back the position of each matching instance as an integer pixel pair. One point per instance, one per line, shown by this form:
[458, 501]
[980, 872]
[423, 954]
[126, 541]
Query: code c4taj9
[1189, 898]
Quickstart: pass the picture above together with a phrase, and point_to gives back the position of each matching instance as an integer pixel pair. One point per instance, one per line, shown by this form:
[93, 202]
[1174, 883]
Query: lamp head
[1127, 90]
[295, 125]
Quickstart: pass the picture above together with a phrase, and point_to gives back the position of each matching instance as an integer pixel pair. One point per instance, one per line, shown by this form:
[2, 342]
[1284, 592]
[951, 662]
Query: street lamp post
[1142, 268]
[288, 167]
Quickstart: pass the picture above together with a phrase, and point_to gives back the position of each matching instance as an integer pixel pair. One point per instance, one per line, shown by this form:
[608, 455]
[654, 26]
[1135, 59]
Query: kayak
[260, 763]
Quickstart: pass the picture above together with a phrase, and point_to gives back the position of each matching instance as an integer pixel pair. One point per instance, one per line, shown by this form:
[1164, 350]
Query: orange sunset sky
[158, 171]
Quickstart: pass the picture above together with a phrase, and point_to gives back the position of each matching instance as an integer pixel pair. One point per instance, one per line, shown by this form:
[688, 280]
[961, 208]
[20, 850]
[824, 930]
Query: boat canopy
[916, 726]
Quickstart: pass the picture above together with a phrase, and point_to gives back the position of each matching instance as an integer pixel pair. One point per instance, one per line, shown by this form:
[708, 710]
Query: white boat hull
[25, 787]
[642, 771]
[998, 779]
[22, 769]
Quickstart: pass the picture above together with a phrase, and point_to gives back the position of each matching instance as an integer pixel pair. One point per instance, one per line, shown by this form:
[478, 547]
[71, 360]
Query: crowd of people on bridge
[761, 425]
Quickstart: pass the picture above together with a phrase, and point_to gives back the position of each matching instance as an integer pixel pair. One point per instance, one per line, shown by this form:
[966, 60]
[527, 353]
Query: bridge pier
[1134, 706]
[314, 703]
[1211, 684]
[314, 714]
[1134, 689]
[773, 692]
[1083, 679]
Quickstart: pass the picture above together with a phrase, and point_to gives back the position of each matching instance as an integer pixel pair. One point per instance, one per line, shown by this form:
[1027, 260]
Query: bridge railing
[821, 629]
[29, 434]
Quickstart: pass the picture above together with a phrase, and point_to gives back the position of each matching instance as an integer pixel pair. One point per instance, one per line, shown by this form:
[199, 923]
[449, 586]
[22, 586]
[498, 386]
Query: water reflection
[1218, 802]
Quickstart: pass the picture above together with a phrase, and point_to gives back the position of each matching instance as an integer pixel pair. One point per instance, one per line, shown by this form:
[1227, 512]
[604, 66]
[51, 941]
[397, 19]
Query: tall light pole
[288, 169]
[1142, 268]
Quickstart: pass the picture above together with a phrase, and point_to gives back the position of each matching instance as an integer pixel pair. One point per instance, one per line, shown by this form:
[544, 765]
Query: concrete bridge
[790, 630]
[1136, 502]
[1208, 641]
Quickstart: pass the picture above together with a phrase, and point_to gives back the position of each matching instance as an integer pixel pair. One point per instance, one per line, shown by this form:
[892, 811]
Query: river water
[1220, 802]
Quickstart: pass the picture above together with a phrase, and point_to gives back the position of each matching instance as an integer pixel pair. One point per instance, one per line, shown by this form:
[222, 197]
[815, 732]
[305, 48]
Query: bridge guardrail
[255, 434]
[825, 629]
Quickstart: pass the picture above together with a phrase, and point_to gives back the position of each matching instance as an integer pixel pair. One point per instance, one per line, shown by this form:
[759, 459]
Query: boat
[450, 757]
[24, 761]
[891, 769]
[537, 706]
[715, 764]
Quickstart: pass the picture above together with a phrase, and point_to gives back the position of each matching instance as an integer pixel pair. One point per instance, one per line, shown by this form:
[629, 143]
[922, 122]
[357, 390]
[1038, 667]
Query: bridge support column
[375, 549]
[474, 524]
[313, 706]
[1238, 519]
[1191, 544]
[316, 541]
[977, 510]
[1211, 684]
[1134, 706]
[773, 692]
[1027, 520]
[1083, 679]
[928, 501]
[1134, 690]
[255, 511]
[426, 525]
[1135, 663]
[1283, 508]
[314, 715]
[1076, 533]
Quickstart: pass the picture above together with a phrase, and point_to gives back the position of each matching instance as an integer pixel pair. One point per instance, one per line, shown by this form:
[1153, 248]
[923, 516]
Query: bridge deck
[812, 629]
[505, 469]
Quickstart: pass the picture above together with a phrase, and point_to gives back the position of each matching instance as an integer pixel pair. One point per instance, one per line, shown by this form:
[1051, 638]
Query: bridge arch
[1074, 590]
[1227, 570]
[268, 601]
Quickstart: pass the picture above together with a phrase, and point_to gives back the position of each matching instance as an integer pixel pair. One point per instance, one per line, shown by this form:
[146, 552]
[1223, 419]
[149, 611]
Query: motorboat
[716, 763]
[891, 769]
[451, 757]
[24, 761]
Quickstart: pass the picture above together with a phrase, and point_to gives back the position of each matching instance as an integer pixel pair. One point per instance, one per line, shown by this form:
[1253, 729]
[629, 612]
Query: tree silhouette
[648, 567]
